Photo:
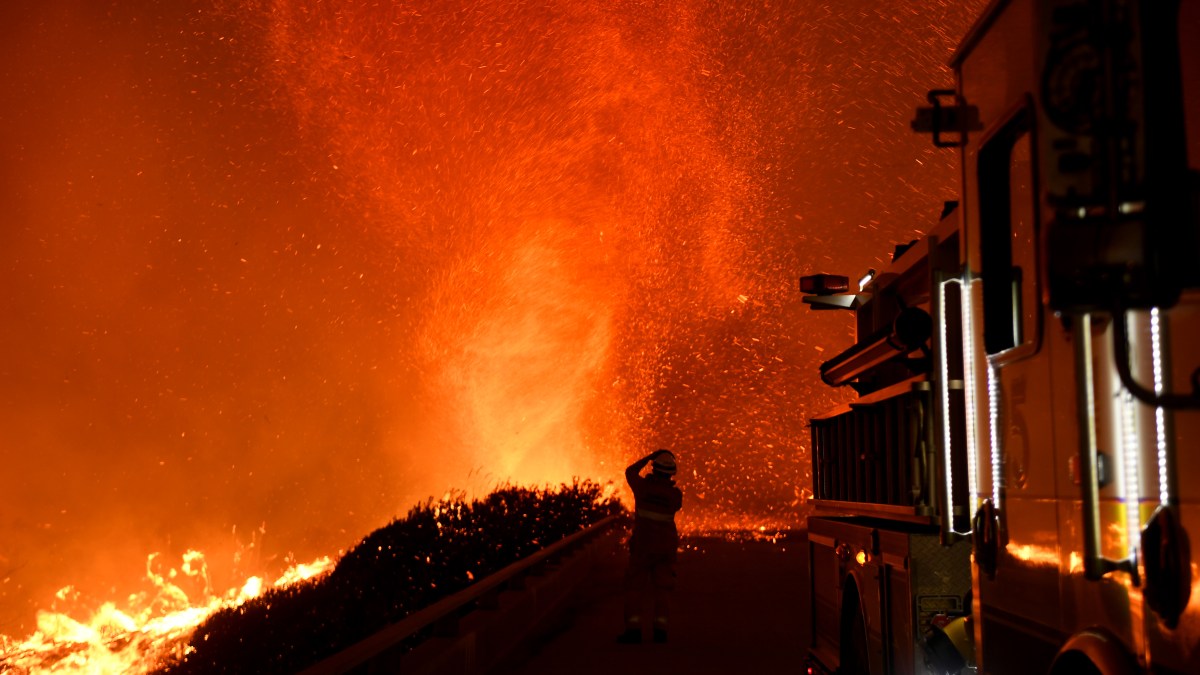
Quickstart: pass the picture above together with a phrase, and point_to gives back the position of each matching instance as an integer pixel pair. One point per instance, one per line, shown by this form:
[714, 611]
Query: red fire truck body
[1015, 488]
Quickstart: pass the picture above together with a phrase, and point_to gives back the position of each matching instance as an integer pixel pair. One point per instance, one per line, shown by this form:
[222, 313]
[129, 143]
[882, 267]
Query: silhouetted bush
[438, 549]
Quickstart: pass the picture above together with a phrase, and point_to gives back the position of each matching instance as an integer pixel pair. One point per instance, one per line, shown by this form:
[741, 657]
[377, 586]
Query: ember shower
[272, 271]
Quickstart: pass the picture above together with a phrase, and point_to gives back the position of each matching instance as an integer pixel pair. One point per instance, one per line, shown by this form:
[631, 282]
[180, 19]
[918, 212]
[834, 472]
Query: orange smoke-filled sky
[272, 271]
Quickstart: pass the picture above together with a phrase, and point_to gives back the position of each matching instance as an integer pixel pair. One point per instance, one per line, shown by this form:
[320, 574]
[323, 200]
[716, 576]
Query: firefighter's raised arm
[633, 471]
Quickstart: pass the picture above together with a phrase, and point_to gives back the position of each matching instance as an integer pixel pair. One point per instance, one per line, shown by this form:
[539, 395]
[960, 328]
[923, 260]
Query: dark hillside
[437, 549]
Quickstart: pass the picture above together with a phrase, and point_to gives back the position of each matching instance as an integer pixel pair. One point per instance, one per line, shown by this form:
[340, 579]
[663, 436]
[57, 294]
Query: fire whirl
[309, 263]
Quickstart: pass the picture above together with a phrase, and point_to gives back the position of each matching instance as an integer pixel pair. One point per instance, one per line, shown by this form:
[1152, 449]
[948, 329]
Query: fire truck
[1014, 486]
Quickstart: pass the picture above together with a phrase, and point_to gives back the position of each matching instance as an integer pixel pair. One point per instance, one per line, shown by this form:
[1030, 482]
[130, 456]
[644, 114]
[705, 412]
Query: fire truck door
[1015, 437]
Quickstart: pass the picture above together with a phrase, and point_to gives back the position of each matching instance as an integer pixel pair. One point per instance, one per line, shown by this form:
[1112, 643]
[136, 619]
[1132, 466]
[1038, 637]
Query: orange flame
[152, 626]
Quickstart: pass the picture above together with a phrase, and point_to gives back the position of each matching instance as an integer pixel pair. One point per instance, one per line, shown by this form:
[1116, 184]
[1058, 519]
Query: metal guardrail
[361, 654]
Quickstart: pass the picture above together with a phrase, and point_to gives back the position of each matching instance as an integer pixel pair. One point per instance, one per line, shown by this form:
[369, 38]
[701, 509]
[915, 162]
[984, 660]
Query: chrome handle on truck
[950, 382]
[1095, 565]
[1148, 395]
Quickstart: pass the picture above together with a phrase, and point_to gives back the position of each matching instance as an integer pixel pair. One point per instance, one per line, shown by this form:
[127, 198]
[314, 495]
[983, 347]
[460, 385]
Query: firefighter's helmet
[664, 463]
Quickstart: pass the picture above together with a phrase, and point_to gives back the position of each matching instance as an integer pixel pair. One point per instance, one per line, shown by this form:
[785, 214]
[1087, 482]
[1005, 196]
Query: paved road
[741, 606]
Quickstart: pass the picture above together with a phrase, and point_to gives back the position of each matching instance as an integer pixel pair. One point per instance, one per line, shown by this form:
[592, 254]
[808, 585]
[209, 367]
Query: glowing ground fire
[150, 627]
[269, 261]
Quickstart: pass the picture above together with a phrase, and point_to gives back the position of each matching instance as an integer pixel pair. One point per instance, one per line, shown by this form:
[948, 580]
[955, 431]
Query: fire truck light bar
[824, 284]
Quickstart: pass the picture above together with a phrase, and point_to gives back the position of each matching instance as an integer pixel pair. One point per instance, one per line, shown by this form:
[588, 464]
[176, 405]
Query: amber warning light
[827, 291]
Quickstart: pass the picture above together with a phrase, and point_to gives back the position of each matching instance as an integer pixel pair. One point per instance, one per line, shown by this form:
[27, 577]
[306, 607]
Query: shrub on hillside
[438, 549]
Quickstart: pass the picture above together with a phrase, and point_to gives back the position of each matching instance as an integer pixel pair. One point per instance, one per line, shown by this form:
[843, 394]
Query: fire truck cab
[1016, 485]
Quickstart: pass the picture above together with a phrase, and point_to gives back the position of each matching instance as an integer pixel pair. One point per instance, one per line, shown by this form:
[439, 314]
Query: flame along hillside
[439, 548]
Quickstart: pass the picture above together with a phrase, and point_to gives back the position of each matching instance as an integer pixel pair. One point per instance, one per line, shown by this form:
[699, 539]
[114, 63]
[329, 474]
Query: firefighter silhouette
[652, 547]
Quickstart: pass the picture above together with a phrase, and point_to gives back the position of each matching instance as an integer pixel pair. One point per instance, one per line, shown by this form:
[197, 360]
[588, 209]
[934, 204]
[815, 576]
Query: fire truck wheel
[1094, 652]
[1074, 663]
